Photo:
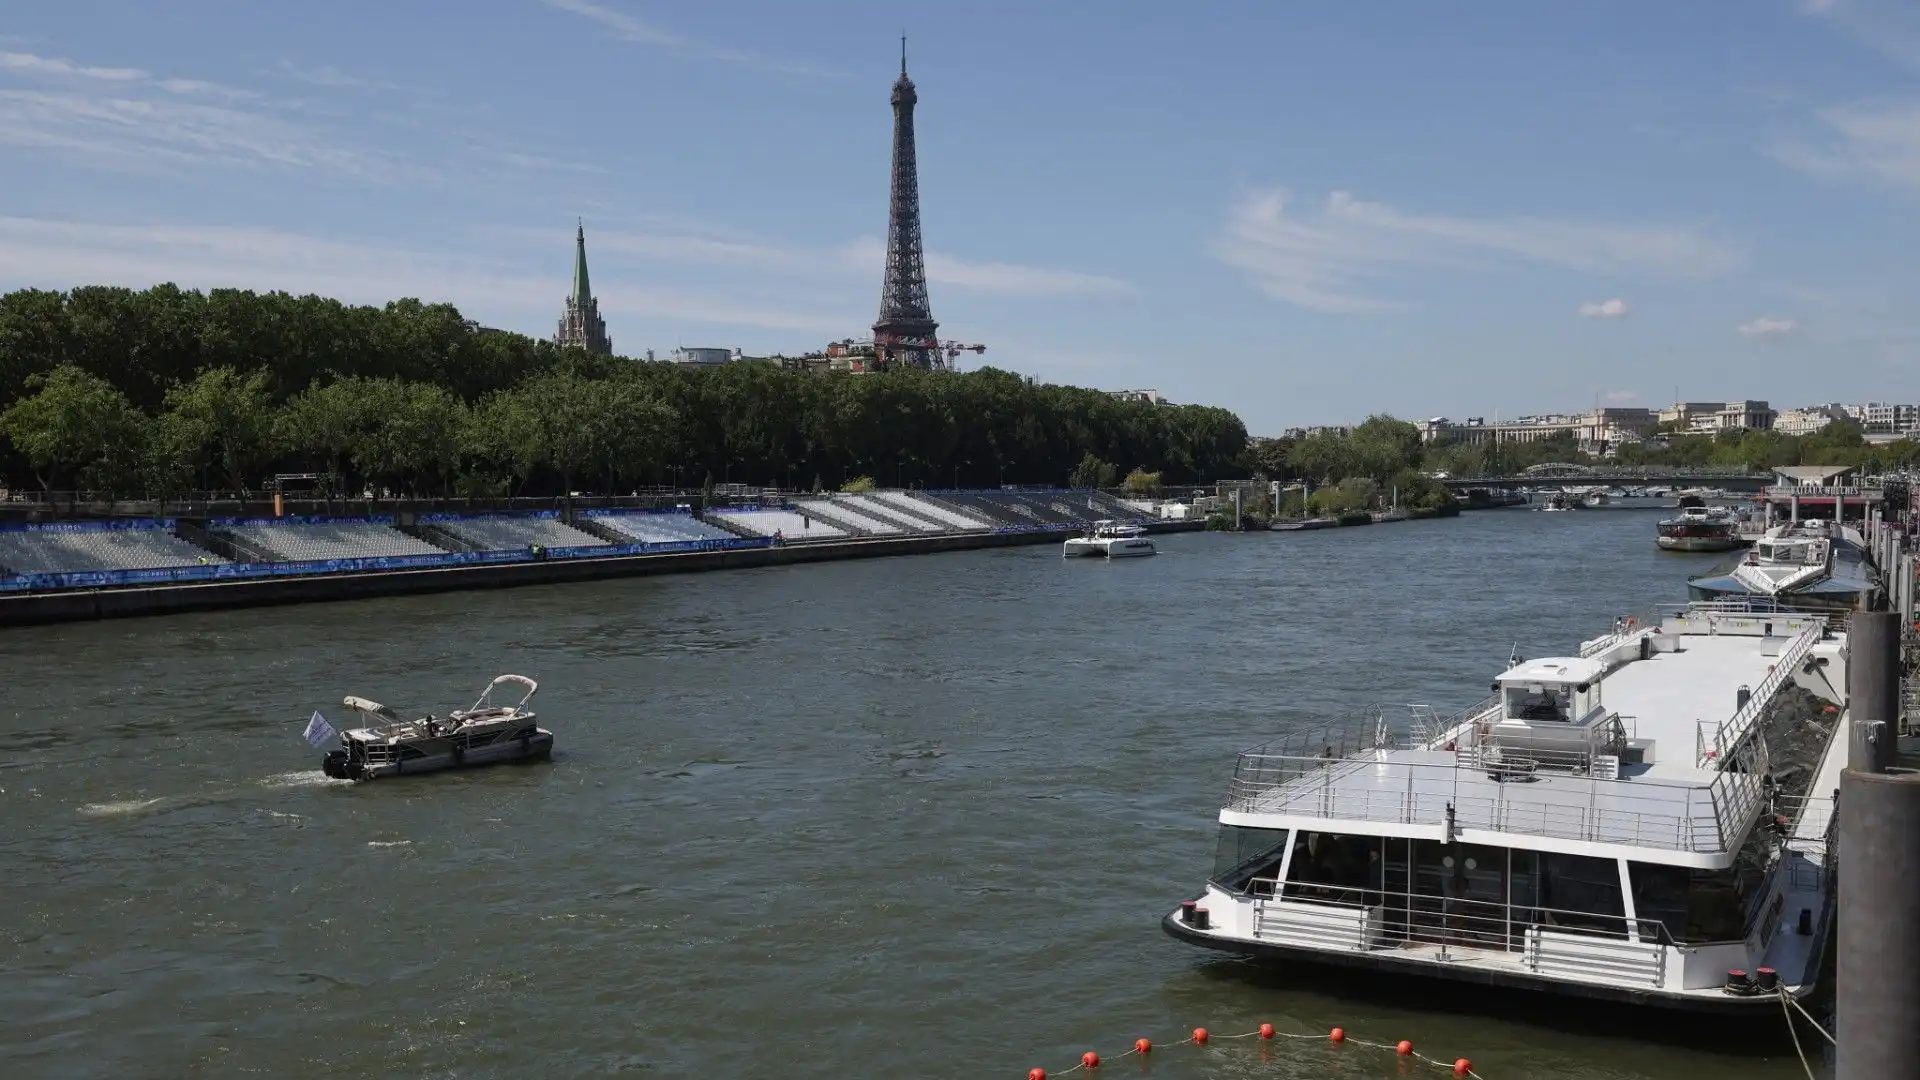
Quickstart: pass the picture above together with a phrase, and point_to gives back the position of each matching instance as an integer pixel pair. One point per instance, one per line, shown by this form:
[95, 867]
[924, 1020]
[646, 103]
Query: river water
[911, 817]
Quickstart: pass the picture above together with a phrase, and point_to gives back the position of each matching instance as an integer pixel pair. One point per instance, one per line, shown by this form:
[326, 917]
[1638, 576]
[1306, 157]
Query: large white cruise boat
[1647, 821]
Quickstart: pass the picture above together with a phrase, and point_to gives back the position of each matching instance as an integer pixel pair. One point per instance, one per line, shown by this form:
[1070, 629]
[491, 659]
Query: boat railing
[1365, 918]
[1713, 742]
[1429, 793]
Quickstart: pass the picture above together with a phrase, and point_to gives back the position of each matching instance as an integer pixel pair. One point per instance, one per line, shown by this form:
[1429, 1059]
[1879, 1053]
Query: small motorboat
[1110, 540]
[485, 734]
[1555, 504]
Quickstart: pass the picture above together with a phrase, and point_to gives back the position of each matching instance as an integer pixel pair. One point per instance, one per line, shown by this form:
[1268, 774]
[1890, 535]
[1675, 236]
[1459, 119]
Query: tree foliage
[166, 388]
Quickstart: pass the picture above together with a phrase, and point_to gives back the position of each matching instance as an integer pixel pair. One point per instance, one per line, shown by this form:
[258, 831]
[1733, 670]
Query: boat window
[1539, 703]
[1245, 852]
[1700, 906]
[1335, 869]
[1575, 891]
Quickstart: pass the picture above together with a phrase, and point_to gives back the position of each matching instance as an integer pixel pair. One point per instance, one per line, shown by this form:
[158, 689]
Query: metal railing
[1730, 733]
[1356, 919]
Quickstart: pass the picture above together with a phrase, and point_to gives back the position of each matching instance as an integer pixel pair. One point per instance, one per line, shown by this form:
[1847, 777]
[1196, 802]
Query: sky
[1305, 211]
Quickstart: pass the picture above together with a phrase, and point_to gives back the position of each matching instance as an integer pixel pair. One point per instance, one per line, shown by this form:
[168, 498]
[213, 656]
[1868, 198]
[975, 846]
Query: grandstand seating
[842, 512]
[792, 526]
[915, 523]
[314, 541]
[660, 528]
[928, 509]
[510, 533]
[85, 550]
[995, 513]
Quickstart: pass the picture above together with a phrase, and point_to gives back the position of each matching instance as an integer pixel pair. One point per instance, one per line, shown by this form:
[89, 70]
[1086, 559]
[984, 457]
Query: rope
[1090, 1062]
[1788, 1013]
[1802, 1010]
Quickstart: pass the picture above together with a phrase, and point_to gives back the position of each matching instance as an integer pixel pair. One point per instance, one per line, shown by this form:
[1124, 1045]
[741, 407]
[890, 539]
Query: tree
[1093, 473]
[1141, 482]
[221, 420]
[76, 427]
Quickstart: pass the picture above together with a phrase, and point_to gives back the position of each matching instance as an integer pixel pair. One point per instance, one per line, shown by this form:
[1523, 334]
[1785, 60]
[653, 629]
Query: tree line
[163, 391]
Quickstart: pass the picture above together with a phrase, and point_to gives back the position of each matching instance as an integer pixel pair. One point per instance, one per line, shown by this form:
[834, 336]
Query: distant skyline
[1303, 212]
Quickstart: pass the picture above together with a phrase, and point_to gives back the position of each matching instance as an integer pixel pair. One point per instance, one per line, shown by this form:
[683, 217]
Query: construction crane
[953, 349]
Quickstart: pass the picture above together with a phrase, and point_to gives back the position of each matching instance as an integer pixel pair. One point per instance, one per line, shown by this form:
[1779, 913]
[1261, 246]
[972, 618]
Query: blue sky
[1305, 211]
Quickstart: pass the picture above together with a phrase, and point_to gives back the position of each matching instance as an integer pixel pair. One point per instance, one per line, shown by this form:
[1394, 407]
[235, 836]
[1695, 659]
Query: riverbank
[80, 605]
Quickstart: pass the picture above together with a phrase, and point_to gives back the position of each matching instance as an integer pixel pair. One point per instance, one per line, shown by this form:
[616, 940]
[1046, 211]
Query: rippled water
[908, 817]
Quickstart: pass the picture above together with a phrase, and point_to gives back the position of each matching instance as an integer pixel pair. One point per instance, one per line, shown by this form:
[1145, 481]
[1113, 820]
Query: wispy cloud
[60, 67]
[1620, 397]
[1604, 309]
[329, 77]
[142, 130]
[861, 259]
[1767, 326]
[1880, 142]
[629, 27]
[492, 287]
[1888, 27]
[1332, 261]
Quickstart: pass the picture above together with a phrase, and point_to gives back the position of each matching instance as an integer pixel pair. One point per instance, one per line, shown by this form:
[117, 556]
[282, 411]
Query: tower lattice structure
[580, 324]
[905, 332]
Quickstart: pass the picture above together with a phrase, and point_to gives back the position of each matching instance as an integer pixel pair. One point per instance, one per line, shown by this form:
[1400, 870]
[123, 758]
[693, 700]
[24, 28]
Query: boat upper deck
[1643, 742]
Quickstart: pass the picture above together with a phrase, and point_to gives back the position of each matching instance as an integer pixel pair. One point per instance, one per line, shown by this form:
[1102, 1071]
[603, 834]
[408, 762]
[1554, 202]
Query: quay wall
[78, 605]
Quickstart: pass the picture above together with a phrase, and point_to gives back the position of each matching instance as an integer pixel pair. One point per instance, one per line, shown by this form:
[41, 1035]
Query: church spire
[581, 326]
[582, 292]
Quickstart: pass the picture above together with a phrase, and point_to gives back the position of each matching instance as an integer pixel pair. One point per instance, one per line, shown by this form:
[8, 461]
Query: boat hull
[1107, 549]
[538, 745]
[1699, 543]
[1511, 978]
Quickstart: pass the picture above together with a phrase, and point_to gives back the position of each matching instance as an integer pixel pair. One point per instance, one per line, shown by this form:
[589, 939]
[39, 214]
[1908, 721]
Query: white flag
[319, 732]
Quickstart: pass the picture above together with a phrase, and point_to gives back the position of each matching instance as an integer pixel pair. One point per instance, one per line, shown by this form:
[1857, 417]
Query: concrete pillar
[1878, 967]
[1793, 508]
[1873, 693]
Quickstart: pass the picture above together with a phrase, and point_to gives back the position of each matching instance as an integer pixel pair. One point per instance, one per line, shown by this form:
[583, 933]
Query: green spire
[582, 292]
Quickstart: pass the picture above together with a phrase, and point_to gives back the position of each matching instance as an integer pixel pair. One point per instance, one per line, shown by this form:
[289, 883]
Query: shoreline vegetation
[165, 391]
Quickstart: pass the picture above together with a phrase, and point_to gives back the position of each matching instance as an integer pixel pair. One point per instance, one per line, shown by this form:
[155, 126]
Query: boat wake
[304, 778]
[119, 808]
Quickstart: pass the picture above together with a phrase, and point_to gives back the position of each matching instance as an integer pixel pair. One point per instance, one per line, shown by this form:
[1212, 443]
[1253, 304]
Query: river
[911, 817]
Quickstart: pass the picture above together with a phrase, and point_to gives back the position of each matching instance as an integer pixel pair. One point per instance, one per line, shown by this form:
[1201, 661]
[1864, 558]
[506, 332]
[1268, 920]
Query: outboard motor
[1741, 697]
[335, 765]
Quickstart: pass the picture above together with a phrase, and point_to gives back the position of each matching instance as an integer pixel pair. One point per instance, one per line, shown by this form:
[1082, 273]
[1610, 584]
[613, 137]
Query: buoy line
[1090, 1061]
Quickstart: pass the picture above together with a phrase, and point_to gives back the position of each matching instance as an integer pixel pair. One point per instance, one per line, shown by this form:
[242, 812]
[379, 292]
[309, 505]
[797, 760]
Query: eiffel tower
[905, 332]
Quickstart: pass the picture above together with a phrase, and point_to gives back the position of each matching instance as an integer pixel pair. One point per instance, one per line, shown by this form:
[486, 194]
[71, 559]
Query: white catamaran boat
[1813, 564]
[485, 734]
[1648, 821]
[1111, 540]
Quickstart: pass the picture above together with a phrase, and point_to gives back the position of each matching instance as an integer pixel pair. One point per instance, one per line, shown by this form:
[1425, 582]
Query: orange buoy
[1463, 1067]
[1338, 1035]
[1089, 1060]
[1266, 1031]
[1405, 1047]
[1143, 1046]
[1036, 1074]
[1200, 1036]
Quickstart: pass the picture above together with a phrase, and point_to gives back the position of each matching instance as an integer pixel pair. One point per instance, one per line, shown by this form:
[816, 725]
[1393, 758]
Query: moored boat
[1700, 528]
[1646, 821]
[485, 734]
[1813, 564]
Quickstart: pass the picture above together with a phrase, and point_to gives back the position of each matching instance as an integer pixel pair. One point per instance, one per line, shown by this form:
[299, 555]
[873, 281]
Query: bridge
[1617, 476]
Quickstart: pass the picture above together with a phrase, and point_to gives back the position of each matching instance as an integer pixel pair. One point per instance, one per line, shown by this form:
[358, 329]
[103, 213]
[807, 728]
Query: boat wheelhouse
[1647, 821]
[1812, 564]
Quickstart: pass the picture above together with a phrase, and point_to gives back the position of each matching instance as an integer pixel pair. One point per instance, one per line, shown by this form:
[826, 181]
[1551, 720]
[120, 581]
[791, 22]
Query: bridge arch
[1557, 468]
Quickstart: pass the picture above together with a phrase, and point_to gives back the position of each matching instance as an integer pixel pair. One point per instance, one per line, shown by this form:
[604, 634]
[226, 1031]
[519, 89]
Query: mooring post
[1878, 968]
[1873, 691]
